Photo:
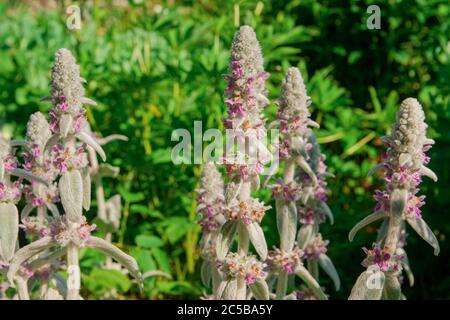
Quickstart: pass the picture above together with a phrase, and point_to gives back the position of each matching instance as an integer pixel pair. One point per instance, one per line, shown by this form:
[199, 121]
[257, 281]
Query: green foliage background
[154, 67]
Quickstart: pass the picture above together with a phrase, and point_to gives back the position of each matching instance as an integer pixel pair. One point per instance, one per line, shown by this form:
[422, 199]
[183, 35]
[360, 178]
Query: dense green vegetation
[154, 68]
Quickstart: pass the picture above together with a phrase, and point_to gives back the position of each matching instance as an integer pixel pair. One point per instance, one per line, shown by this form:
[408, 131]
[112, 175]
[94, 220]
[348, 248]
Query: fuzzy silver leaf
[309, 280]
[257, 238]
[86, 138]
[260, 289]
[225, 238]
[423, 230]
[9, 230]
[365, 222]
[327, 265]
[71, 194]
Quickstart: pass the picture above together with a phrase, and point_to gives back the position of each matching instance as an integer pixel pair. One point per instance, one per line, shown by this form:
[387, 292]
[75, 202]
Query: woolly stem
[109, 260]
[41, 213]
[243, 244]
[313, 268]
[241, 292]
[43, 289]
[216, 280]
[243, 239]
[22, 288]
[393, 232]
[289, 171]
[73, 271]
[282, 285]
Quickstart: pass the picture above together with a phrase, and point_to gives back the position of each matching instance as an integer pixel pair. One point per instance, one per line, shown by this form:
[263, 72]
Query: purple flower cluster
[245, 170]
[310, 216]
[10, 162]
[65, 158]
[249, 211]
[210, 200]
[288, 192]
[45, 273]
[241, 93]
[305, 294]
[382, 258]
[248, 267]
[208, 216]
[278, 260]
[396, 176]
[38, 195]
[61, 108]
[316, 247]
[63, 234]
[11, 192]
[35, 227]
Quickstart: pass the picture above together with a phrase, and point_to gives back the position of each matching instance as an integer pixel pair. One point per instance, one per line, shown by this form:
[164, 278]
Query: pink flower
[35, 150]
[38, 201]
[10, 163]
[250, 279]
[383, 201]
[307, 216]
[382, 258]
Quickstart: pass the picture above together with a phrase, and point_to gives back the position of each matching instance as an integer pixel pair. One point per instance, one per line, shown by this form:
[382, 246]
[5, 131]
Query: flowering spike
[245, 96]
[403, 167]
[56, 155]
[247, 52]
[294, 101]
[66, 81]
[210, 198]
[38, 133]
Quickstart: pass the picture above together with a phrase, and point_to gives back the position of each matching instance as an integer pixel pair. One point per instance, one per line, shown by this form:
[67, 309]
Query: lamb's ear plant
[302, 182]
[397, 204]
[210, 204]
[243, 159]
[10, 194]
[60, 161]
[313, 212]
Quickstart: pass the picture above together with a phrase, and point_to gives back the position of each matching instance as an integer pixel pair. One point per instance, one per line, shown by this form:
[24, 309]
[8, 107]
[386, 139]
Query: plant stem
[313, 268]
[289, 171]
[73, 271]
[241, 292]
[282, 285]
[109, 260]
[22, 288]
[243, 239]
[41, 213]
[243, 242]
[393, 233]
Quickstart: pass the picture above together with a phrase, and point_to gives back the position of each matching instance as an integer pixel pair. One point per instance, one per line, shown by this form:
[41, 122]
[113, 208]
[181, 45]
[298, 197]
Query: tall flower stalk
[403, 167]
[244, 159]
[300, 183]
[210, 204]
[57, 154]
[11, 192]
[314, 211]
